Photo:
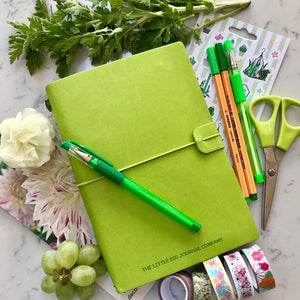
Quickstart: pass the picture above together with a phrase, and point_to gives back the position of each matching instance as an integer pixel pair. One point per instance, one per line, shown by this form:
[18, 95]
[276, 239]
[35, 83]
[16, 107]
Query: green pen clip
[87, 151]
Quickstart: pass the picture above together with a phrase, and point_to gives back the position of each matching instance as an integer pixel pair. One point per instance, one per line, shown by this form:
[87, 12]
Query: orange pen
[234, 152]
[237, 128]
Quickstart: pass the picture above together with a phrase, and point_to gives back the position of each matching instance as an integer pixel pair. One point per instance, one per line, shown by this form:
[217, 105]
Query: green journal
[146, 115]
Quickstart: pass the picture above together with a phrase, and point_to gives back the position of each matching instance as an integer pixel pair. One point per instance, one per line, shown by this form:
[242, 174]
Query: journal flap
[208, 138]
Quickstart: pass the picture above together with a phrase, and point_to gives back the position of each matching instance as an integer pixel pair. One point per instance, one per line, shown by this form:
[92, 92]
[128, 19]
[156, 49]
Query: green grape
[100, 267]
[48, 285]
[66, 292]
[83, 275]
[67, 254]
[86, 292]
[49, 262]
[88, 254]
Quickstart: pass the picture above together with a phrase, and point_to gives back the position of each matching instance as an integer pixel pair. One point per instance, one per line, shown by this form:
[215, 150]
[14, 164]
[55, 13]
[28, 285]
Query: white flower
[58, 206]
[26, 140]
[12, 196]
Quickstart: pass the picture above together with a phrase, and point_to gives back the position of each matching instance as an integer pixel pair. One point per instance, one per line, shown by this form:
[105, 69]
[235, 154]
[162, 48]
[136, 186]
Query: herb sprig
[107, 28]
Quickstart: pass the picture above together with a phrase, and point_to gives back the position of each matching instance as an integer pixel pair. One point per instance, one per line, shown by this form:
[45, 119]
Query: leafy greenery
[107, 29]
[2, 166]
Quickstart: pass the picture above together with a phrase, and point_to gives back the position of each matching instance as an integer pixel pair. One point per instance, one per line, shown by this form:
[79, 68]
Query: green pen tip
[247, 200]
[253, 196]
[227, 45]
[65, 145]
[259, 178]
[196, 227]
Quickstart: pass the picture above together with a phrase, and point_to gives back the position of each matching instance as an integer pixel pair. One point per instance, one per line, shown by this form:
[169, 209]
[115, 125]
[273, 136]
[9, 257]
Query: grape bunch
[72, 270]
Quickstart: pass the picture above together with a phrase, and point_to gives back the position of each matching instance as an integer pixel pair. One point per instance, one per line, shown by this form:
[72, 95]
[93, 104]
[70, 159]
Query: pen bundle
[258, 53]
[231, 96]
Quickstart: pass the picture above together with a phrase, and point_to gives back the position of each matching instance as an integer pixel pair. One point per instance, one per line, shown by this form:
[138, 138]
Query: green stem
[104, 30]
[133, 25]
[217, 7]
[219, 18]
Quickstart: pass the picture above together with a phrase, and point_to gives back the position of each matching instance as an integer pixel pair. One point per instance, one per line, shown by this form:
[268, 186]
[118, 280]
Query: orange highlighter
[234, 152]
[237, 127]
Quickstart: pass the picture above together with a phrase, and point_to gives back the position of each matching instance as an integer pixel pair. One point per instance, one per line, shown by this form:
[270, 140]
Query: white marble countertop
[21, 250]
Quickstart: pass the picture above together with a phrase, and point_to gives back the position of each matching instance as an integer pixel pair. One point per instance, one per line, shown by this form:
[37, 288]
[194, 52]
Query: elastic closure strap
[206, 137]
[139, 163]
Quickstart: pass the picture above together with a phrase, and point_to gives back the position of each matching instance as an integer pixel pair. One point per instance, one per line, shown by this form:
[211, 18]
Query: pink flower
[13, 195]
[246, 294]
[264, 266]
[212, 262]
[219, 37]
[275, 54]
[231, 257]
[228, 294]
[220, 275]
[58, 206]
[257, 255]
[242, 271]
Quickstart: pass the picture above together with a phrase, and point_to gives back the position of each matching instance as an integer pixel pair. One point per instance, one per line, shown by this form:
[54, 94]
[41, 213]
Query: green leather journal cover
[146, 114]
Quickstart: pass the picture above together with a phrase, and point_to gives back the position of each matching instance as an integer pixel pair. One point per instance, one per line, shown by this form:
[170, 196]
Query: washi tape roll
[219, 279]
[184, 278]
[240, 275]
[259, 267]
[202, 286]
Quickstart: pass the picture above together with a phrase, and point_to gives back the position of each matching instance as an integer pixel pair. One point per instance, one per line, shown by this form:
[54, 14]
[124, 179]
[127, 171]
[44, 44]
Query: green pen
[241, 104]
[105, 168]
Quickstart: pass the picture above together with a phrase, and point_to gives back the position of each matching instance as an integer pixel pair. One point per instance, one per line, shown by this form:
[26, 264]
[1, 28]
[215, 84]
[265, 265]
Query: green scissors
[266, 134]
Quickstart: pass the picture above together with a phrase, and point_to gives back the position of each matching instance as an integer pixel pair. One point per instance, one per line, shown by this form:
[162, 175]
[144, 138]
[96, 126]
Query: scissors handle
[265, 130]
[287, 133]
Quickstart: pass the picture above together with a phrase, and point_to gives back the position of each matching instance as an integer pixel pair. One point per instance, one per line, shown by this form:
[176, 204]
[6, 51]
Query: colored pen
[105, 168]
[237, 128]
[211, 55]
[240, 98]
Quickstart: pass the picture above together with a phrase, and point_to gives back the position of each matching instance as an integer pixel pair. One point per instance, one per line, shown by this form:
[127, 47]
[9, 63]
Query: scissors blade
[272, 166]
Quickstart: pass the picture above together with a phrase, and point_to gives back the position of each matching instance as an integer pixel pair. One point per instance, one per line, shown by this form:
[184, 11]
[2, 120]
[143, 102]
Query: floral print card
[258, 52]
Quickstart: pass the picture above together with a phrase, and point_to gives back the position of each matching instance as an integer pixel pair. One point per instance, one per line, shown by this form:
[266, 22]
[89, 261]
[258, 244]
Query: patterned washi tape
[184, 278]
[259, 267]
[202, 287]
[241, 277]
[219, 279]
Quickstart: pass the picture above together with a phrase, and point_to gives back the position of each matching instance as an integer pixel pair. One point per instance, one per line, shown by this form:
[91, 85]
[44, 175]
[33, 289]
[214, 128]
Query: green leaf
[41, 9]
[145, 3]
[16, 43]
[34, 60]
[189, 7]
[115, 3]
[70, 42]
[22, 27]
[63, 66]
[109, 49]
[2, 166]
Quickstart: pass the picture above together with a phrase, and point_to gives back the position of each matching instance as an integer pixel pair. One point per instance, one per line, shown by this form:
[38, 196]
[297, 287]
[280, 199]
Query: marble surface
[21, 251]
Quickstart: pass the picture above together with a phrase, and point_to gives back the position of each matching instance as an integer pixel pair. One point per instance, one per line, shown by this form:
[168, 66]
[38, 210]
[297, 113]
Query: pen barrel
[241, 104]
[108, 171]
[161, 205]
[250, 141]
